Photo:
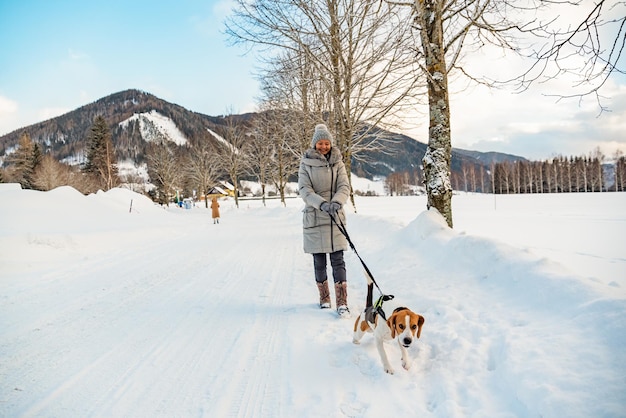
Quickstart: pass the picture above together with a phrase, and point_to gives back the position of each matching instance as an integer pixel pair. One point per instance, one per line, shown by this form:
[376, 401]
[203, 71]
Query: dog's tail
[369, 302]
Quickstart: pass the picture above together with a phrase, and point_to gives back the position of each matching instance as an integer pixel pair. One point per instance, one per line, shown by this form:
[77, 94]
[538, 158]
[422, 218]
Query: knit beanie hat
[321, 132]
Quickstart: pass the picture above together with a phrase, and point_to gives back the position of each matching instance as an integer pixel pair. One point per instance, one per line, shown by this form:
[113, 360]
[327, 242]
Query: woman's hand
[331, 208]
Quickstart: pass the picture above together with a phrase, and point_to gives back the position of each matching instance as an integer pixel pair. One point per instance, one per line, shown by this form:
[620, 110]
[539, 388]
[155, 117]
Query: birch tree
[448, 30]
[619, 168]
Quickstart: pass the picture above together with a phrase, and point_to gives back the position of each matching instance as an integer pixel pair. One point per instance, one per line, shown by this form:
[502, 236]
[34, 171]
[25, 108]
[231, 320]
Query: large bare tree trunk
[437, 158]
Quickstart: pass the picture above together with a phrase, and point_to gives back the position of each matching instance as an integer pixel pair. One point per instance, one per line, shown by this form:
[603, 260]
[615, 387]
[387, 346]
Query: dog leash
[370, 276]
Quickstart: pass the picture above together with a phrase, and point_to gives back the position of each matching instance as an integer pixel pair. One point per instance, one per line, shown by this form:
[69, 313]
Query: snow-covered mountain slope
[155, 127]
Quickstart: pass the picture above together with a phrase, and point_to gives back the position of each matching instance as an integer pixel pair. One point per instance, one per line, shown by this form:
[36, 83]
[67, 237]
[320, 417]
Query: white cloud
[7, 107]
[537, 126]
[8, 115]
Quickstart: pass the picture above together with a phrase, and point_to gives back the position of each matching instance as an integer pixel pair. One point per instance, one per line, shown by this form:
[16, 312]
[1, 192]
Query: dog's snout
[407, 341]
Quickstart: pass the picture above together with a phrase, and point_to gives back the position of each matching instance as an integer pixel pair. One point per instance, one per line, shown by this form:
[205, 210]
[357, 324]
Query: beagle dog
[387, 323]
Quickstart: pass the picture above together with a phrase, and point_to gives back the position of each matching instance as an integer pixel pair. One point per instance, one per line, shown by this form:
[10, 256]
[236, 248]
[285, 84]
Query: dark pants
[337, 263]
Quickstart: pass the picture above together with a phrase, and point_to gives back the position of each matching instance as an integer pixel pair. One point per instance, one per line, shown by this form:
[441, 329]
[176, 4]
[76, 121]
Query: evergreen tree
[101, 162]
[25, 161]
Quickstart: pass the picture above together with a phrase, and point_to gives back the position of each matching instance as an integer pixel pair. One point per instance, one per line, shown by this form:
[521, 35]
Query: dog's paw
[389, 370]
[406, 364]
[355, 341]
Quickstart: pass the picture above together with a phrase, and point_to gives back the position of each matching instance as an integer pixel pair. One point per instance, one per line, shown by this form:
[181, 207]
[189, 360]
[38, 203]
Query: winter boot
[341, 293]
[324, 294]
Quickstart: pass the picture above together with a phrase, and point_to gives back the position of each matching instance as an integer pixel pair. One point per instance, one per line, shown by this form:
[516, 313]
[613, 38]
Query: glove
[334, 208]
[325, 207]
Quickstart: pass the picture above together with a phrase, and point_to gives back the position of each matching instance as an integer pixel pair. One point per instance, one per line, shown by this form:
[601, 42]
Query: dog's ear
[391, 323]
[420, 323]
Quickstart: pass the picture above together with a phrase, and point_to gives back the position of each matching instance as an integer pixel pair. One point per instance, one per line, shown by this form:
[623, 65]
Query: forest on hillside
[173, 174]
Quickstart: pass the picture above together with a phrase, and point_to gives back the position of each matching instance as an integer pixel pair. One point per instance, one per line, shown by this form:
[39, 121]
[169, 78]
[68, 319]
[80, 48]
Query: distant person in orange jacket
[215, 210]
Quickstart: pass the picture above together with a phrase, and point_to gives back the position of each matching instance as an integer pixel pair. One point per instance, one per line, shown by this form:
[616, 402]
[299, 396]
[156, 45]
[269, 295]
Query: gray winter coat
[322, 180]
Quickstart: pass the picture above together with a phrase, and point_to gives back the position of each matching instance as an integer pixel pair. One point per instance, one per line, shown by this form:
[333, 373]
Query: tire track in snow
[227, 339]
[133, 333]
[194, 348]
[255, 359]
[161, 336]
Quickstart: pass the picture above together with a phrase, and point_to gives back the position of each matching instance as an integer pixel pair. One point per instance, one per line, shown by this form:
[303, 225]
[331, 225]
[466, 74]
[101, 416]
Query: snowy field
[106, 312]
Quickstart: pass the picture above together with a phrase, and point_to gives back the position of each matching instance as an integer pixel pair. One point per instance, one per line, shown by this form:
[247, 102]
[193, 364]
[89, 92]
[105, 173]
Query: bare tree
[581, 173]
[569, 174]
[352, 49]
[395, 184]
[429, 22]
[262, 152]
[447, 27]
[294, 100]
[203, 169]
[620, 173]
[502, 177]
[133, 180]
[233, 153]
[330, 32]
[483, 188]
[296, 96]
[465, 171]
[589, 49]
[597, 157]
[276, 148]
[291, 103]
[165, 171]
[558, 175]
[446, 31]
[287, 151]
[538, 169]
[50, 174]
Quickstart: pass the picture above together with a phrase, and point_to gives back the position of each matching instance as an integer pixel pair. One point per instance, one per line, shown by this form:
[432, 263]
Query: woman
[324, 187]
[215, 210]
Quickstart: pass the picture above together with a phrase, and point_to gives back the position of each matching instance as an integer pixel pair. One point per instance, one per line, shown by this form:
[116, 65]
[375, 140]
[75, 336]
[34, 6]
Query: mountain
[136, 118]
[487, 158]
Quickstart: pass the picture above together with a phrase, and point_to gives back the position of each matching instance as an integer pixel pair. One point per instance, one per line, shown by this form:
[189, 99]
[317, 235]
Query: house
[228, 188]
[214, 192]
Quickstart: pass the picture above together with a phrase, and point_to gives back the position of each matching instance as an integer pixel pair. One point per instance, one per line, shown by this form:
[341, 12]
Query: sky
[58, 56]
[158, 312]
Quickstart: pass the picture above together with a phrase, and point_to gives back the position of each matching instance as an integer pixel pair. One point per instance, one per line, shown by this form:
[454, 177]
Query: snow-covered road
[163, 314]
